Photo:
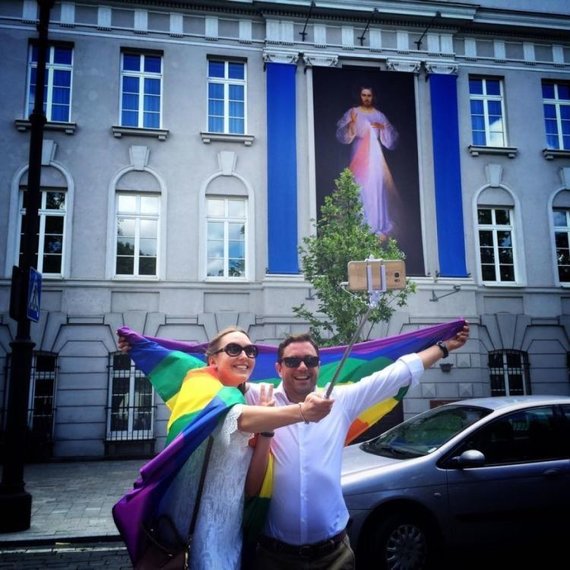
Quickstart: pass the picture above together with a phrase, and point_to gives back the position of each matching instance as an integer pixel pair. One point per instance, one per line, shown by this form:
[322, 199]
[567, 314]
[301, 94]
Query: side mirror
[469, 458]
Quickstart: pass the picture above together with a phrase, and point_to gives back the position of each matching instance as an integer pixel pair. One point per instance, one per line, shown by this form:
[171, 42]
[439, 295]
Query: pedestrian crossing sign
[34, 295]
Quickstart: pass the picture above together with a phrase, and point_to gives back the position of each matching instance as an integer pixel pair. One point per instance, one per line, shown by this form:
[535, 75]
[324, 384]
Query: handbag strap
[200, 486]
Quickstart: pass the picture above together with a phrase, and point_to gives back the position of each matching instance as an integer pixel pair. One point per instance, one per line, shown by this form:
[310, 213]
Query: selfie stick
[374, 296]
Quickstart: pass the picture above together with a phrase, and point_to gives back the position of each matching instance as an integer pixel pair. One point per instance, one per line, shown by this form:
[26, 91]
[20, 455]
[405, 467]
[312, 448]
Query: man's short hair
[293, 338]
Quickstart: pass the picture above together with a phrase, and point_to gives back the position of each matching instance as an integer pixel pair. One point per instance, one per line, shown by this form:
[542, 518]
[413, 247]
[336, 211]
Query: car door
[524, 484]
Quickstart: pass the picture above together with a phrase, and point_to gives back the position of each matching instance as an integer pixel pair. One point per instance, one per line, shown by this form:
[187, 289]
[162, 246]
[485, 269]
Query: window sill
[503, 285]
[476, 150]
[24, 125]
[207, 138]
[552, 153]
[160, 134]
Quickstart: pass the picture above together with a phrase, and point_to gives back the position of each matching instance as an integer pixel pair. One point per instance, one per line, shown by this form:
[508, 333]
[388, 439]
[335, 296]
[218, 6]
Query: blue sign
[34, 295]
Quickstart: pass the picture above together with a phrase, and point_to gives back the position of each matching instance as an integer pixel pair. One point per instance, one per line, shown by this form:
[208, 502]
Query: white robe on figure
[368, 164]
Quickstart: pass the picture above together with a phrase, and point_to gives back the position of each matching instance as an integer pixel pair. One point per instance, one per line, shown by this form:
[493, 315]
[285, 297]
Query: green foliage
[342, 235]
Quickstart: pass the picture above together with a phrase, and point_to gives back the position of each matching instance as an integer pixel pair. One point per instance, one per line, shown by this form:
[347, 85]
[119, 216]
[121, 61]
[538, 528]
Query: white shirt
[307, 505]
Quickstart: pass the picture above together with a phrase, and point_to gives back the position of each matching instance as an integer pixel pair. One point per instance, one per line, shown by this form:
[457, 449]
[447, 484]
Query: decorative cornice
[280, 57]
[319, 60]
[442, 68]
[405, 65]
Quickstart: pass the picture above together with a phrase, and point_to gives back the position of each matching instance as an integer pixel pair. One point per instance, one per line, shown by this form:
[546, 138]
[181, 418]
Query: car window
[525, 435]
[426, 432]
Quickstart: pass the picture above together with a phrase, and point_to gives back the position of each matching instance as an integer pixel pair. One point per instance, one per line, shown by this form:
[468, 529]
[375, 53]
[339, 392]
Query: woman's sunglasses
[295, 361]
[235, 349]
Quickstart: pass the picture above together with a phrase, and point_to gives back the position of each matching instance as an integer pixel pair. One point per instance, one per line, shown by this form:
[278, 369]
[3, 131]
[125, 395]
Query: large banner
[365, 119]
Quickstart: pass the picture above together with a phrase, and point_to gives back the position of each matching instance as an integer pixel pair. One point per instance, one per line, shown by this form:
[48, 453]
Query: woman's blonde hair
[214, 344]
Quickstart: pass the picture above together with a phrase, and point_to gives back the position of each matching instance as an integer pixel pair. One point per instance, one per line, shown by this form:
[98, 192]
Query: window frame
[43, 214]
[50, 72]
[131, 433]
[495, 228]
[141, 75]
[227, 220]
[139, 216]
[562, 139]
[227, 83]
[507, 370]
[556, 229]
[486, 99]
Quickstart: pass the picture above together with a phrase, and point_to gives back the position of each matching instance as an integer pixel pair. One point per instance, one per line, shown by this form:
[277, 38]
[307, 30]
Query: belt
[314, 550]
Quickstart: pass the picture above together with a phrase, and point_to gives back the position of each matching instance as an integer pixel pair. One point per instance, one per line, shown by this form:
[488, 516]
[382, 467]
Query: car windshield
[425, 433]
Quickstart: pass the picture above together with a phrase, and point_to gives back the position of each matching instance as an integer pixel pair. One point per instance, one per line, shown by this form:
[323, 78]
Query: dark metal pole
[15, 502]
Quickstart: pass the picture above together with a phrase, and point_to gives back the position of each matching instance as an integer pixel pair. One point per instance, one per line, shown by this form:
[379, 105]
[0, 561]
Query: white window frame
[494, 228]
[558, 104]
[138, 216]
[226, 220]
[561, 230]
[51, 69]
[486, 99]
[226, 82]
[132, 432]
[141, 75]
[506, 373]
[43, 214]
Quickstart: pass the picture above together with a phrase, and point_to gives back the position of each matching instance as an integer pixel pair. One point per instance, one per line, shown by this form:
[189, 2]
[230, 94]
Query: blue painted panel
[447, 171]
[281, 169]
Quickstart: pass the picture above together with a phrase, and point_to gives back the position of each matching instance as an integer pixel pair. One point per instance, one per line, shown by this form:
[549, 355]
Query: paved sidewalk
[72, 501]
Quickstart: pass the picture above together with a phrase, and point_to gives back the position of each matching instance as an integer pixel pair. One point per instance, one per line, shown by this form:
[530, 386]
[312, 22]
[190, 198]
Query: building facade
[187, 150]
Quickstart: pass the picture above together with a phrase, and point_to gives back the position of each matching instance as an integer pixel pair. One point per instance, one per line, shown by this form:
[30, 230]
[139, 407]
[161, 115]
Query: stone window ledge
[207, 138]
[552, 153]
[24, 125]
[160, 134]
[476, 150]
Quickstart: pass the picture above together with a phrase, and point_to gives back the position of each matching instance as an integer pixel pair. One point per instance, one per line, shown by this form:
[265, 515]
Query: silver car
[474, 472]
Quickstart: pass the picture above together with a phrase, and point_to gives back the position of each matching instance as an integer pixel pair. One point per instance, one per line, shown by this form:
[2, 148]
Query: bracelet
[443, 347]
[267, 433]
[301, 410]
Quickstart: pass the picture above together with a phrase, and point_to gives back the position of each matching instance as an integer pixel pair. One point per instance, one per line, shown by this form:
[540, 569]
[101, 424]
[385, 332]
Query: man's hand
[459, 339]
[315, 407]
[266, 395]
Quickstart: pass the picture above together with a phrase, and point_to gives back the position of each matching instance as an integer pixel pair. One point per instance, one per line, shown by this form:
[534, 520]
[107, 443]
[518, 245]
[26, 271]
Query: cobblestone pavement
[72, 525]
[73, 500]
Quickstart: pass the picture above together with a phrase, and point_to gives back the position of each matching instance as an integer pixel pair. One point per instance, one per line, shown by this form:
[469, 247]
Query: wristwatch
[443, 347]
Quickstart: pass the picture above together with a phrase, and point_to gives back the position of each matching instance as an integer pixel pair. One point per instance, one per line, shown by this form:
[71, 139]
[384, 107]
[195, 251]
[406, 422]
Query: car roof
[500, 402]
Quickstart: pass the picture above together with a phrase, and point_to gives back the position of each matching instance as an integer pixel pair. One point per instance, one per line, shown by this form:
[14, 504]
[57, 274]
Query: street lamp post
[15, 501]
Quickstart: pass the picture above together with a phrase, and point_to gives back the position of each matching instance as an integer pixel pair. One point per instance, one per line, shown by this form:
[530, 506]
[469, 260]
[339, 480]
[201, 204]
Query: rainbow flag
[198, 401]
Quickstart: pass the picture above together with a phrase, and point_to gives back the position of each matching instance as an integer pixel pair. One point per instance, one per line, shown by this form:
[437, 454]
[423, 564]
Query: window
[131, 401]
[141, 90]
[42, 396]
[226, 96]
[487, 111]
[561, 221]
[496, 249]
[57, 90]
[226, 237]
[509, 372]
[137, 234]
[51, 237]
[556, 102]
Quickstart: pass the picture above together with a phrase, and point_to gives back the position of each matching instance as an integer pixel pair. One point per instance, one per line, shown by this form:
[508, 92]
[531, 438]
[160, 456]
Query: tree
[341, 236]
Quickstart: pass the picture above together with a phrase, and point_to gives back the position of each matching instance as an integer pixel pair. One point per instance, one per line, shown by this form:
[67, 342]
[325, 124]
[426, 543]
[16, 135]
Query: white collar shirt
[307, 505]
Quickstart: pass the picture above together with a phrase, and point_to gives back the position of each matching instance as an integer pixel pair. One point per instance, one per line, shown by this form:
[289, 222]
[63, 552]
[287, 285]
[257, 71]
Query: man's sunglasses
[235, 349]
[295, 361]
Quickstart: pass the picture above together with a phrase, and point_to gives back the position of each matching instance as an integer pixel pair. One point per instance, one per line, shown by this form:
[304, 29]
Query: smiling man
[307, 518]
